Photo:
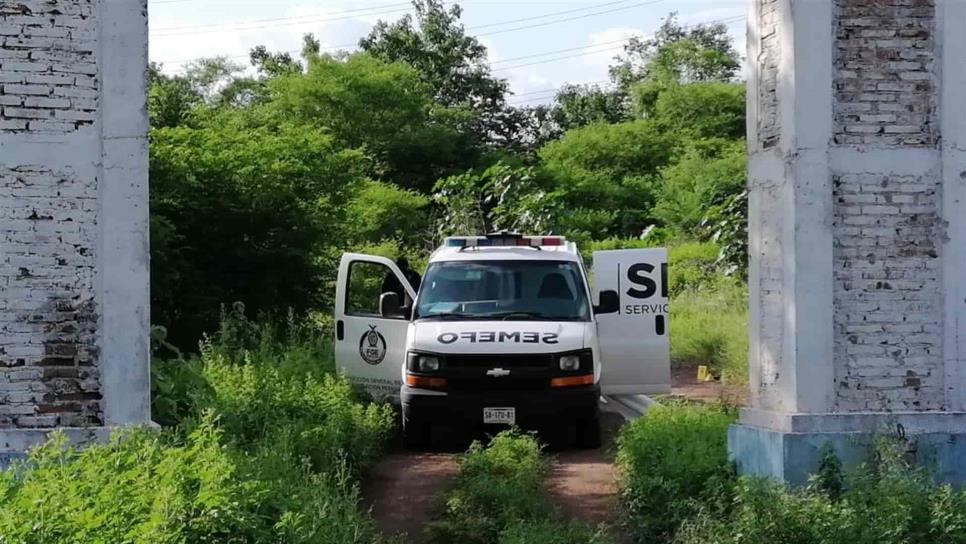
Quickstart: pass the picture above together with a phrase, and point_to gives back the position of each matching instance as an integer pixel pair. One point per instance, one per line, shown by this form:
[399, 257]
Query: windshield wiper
[507, 315]
[447, 315]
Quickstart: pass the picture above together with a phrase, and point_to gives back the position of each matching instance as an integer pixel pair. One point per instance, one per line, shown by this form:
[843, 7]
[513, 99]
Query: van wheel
[416, 435]
[588, 434]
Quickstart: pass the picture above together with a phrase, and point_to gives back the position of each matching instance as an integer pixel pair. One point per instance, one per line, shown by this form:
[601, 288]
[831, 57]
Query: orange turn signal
[572, 380]
[424, 381]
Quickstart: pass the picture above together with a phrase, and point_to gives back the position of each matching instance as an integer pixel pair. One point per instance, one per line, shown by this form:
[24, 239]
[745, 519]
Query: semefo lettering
[502, 337]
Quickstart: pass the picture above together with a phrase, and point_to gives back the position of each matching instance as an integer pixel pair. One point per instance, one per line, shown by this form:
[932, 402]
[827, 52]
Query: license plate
[505, 416]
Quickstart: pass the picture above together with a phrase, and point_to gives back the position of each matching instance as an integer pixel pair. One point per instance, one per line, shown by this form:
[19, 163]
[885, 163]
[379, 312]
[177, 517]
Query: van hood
[472, 337]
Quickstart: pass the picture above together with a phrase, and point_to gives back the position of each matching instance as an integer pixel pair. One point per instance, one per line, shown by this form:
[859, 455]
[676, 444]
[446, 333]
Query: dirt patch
[582, 484]
[402, 490]
[684, 383]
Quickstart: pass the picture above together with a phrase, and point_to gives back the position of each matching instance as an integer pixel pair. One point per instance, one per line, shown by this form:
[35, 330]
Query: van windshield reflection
[503, 290]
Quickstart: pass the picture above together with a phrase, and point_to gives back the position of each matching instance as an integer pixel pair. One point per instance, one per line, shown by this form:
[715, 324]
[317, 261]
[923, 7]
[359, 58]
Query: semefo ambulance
[505, 330]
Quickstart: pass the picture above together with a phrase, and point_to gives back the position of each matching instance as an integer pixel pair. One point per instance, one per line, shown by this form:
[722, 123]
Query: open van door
[370, 342]
[635, 352]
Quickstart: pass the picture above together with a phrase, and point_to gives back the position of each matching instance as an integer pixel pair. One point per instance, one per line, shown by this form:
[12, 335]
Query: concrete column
[857, 225]
[74, 347]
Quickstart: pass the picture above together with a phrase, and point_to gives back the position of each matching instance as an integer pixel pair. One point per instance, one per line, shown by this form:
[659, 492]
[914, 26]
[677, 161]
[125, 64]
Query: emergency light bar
[504, 240]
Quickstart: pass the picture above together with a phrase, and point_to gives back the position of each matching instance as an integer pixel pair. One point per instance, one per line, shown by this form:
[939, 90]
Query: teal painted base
[793, 456]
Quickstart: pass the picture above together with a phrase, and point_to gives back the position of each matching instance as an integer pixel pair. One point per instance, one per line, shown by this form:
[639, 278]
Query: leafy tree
[580, 105]
[207, 84]
[726, 224]
[605, 176]
[271, 64]
[706, 174]
[171, 99]
[244, 212]
[678, 54]
[382, 107]
[210, 75]
[503, 196]
[383, 211]
[452, 64]
[702, 110]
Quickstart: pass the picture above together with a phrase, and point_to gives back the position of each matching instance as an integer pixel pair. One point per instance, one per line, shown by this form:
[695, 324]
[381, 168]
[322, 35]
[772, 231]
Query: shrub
[150, 487]
[244, 212]
[692, 267]
[310, 412]
[266, 447]
[497, 485]
[553, 531]
[707, 173]
[673, 464]
[498, 498]
[884, 501]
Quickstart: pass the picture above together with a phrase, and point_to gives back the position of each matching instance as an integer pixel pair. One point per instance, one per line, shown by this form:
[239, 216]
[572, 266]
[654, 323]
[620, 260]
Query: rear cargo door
[369, 348]
[635, 352]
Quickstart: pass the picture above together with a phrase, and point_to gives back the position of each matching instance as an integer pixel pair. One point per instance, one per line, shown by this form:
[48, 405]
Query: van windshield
[510, 290]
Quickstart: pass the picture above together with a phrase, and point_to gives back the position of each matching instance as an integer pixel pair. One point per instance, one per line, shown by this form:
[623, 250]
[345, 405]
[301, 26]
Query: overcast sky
[538, 45]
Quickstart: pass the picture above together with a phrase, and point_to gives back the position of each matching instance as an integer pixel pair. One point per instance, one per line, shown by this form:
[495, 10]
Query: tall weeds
[263, 444]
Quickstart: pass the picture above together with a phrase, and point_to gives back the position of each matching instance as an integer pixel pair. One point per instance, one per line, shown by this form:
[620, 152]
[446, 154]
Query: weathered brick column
[857, 220]
[74, 342]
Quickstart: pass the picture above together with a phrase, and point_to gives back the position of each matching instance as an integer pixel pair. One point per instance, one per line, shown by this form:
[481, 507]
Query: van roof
[566, 252]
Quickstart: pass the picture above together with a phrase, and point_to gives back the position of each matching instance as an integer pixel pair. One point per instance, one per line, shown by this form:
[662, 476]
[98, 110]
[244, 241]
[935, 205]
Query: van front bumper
[535, 409]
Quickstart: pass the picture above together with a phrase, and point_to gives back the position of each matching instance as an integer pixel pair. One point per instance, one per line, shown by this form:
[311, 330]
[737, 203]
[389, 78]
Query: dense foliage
[884, 501]
[259, 180]
[498, 498]
[674, 464]
[265, 445]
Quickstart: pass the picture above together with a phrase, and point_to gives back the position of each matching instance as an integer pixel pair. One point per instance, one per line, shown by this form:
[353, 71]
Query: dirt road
[403, 488]
[582, 483]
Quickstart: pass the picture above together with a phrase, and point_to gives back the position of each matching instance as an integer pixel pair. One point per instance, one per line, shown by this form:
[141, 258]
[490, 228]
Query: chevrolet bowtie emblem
[497, 372]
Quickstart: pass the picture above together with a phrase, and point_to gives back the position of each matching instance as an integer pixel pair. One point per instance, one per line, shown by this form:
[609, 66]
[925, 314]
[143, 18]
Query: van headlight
[427, 363]
[570, 363]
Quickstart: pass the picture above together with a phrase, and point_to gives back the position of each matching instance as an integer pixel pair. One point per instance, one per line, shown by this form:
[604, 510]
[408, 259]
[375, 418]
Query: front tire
[588, 434]
[416, 435]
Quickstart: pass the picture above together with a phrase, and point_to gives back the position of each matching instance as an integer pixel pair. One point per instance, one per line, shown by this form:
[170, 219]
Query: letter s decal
[638, 274]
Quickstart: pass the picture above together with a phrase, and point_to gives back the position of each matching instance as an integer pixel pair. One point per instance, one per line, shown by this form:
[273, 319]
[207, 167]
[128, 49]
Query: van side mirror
[610, 302]
[390, 307]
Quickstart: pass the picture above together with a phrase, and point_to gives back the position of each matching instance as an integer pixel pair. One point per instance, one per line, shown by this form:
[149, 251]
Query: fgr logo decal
[372, 346]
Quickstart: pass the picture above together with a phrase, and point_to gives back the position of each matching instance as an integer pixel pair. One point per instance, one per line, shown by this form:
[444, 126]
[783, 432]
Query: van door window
[366, 283]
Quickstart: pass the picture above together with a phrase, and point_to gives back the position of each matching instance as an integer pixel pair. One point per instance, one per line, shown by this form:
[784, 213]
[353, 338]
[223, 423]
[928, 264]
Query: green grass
[710, 327]
[498, 498]
[673, 463]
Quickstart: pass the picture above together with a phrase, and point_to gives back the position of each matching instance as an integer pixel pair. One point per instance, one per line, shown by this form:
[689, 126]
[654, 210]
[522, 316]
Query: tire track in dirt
[582, 484]
[403, 489]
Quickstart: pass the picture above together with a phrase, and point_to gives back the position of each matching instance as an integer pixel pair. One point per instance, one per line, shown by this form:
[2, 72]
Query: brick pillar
[857, 224]
[74, 346]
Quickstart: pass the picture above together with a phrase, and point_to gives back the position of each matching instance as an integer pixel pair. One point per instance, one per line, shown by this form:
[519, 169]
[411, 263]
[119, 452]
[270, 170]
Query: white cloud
[173, 44]
[491, 53]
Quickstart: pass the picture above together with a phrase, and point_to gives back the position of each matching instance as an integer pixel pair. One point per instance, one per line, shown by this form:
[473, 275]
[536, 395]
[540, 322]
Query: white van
[504, 331]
